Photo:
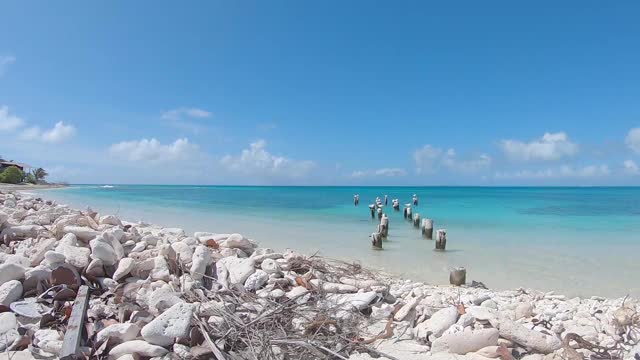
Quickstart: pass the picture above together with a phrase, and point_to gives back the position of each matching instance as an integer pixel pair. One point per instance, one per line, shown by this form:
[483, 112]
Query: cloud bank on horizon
[391, 104]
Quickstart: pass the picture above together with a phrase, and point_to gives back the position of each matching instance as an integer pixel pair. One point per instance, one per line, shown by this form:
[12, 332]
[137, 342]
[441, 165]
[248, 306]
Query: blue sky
[325, 93]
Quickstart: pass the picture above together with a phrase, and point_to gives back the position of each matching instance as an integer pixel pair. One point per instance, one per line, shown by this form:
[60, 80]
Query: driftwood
[73, 334]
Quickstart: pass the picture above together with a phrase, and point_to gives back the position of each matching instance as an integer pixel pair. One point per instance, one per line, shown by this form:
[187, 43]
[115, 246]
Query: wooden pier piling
[427, 229]
[416, 221]
[384, 222]
[441, 239]
[376, 240]
[458, 276]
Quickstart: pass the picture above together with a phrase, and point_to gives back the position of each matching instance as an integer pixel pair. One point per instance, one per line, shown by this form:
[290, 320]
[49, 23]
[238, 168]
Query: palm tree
[39, 174]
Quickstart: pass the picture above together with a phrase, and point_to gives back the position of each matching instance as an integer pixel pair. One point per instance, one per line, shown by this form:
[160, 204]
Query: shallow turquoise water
[580, 241]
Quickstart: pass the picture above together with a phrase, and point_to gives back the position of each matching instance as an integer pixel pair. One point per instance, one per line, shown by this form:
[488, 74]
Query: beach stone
[151, 240]
[482, 313]
[8, 322]
[490, 304]
[103, 251]
[160, 269]
[10, 291]
[82, 233]
[523, 310]
[37, 252]
[17, 355]
[529, 339]
[8, 330]
[21, 232]
[407, 308]
[3, 217]
[465, 320]
[276, 293]
[237, 241]
[48, 340]
[18, 260]
[183, 250]
[172, 323]
[118, 332]
[54, 257]
[125, 266]
[75, 255]
[112, 237]
[435, 326]
[270, 266]
[466, 341]
[10, 272]
[110, 220]
[138, 347]
[358, 301]
[199, 262]
[256, 280]
[96, 268]
[239, 269]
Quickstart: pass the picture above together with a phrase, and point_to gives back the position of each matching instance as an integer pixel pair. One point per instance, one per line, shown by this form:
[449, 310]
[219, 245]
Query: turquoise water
[578, 241]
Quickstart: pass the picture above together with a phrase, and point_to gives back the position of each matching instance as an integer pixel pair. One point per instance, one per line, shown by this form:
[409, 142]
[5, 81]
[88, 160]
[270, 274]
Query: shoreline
[314, 301]
[27, 187]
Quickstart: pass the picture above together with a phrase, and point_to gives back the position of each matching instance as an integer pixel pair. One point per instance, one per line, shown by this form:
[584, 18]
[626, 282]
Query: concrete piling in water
[458, 276]
[396, 204]
[379, 213]
[384, 221]
[427, 229]
[408, 212]
[416, 221]
[441, 239]
[376, 240]
[386, 200]
[373, 211]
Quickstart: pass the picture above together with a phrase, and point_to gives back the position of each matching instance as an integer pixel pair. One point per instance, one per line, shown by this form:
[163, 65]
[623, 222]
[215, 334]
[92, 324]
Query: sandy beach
[161, 293]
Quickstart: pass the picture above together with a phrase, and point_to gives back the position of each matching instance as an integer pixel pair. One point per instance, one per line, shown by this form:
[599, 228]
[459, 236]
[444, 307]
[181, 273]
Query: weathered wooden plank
[75, 325]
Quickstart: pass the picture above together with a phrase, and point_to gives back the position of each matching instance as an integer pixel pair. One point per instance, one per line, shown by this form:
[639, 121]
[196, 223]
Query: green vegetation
[11, 175]
[39, 174]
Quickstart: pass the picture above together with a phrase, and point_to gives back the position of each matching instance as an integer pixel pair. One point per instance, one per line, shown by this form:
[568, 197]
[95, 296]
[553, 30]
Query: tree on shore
[11, 175]
[39, 174]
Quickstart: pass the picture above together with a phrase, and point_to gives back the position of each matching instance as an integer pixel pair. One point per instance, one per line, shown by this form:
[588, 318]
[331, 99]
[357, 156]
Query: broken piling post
[441, 239]
[376, 240]
[458, 276]
[427, 228]
[416, 221]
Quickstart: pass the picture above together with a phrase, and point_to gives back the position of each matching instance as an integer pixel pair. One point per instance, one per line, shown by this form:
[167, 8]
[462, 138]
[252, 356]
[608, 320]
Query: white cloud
[562, 172]
[630, 167]
[9, 122]
[633, 140]
[386, 172]
[152, 151]
[180, 113]
[256, 160]
[5, 61]
[429, 159]
[60, 132]
[551, 146]
[178, 119]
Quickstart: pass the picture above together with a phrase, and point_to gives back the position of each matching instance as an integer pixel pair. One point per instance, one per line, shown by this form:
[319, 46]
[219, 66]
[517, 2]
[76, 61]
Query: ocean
[579, 241]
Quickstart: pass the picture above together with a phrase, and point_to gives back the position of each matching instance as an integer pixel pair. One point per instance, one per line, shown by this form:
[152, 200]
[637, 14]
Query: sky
[323, 93]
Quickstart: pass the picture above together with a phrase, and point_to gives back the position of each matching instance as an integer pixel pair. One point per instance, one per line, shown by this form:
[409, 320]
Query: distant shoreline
[21, 187]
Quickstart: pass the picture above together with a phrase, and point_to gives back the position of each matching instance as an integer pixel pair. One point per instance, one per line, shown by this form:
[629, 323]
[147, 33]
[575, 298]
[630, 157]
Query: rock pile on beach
[160, 293]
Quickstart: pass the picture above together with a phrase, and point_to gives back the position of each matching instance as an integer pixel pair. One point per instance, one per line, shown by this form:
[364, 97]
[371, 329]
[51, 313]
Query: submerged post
[373, 211]
[376, 240]
[441, 239]
[427, 229]
[458, 276]
[379, 213]
[416, 221]
[409, 213]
